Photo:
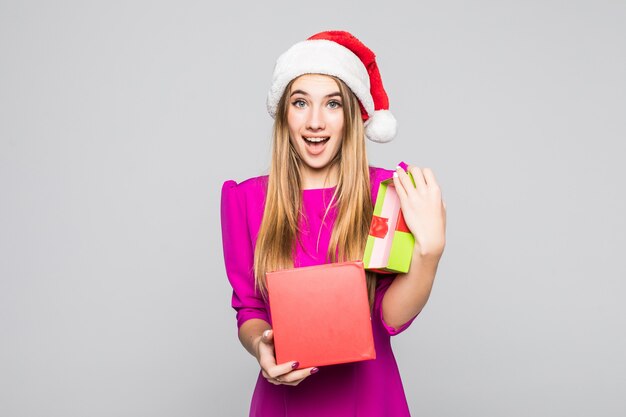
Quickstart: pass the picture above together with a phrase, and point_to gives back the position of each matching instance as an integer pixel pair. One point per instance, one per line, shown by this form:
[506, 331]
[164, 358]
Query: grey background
[119, 121]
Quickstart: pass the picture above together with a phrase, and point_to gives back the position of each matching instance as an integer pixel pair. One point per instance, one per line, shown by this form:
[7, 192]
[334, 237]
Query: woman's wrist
[251, 333]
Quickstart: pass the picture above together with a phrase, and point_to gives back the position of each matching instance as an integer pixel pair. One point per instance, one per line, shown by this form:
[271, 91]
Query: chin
[316, 165]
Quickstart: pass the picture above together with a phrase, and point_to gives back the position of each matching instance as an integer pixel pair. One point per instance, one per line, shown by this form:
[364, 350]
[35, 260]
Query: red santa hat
[340, 54]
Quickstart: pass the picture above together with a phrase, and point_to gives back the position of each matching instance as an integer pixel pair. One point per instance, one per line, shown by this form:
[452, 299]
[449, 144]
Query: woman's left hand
[423, 209]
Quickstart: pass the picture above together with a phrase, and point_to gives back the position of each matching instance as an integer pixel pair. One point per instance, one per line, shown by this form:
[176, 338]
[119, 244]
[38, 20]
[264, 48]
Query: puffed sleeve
[239, 255]
[382, 284]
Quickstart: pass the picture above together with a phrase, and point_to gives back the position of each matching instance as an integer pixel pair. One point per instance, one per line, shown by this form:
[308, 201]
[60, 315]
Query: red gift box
[320, 314]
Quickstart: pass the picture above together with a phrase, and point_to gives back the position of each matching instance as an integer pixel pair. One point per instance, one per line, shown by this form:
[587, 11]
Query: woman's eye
[334, 104]
[299, 103]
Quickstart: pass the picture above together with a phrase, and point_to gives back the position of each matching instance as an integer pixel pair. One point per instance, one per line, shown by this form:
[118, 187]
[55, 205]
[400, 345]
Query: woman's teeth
[317, 140]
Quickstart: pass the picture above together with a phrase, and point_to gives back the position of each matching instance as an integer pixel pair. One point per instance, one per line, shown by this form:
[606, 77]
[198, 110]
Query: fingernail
[266, 333]
[399, 167]
[314, 370]
[395, 174]
[295, 365]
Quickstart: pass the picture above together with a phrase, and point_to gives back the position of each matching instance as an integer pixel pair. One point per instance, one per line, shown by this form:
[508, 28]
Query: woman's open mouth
[315, 144]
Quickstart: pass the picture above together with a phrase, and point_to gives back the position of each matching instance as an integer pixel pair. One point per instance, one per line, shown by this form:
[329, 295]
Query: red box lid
[320, 314]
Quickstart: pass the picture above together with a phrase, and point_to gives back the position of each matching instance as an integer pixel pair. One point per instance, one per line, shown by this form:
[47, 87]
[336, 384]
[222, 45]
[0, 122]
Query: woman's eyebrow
[336, 93]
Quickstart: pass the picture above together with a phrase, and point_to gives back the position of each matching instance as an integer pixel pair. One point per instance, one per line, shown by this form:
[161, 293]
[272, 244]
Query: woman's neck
[318, 178]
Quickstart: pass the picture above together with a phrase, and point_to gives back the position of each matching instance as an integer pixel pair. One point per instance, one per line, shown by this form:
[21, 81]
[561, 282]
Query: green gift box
[390, 244]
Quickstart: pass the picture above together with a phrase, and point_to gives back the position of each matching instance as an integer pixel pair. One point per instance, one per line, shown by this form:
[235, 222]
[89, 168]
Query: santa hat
[340, 54]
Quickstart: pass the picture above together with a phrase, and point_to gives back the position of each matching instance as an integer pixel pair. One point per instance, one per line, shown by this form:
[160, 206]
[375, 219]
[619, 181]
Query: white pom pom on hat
[342, 55]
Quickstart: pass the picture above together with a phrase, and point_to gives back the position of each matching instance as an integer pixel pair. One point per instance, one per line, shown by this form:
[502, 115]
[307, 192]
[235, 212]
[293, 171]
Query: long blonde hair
[278, 234]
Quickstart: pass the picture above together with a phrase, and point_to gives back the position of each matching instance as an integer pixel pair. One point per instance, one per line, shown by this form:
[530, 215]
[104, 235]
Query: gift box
[389, 246]
[320, 314]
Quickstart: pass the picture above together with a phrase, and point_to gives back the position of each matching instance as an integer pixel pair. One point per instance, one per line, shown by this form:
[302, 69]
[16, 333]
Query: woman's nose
[315, 120]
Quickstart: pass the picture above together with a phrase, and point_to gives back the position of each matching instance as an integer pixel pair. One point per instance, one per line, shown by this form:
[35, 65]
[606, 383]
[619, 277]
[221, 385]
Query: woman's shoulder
[380, 174]
[247, 195]
[249, 186]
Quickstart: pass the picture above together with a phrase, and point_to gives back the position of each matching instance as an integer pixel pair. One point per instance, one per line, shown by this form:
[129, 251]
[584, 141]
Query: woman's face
[315, 120]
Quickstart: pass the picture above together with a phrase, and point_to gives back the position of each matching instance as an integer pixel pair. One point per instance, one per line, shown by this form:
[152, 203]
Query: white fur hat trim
[320, 56]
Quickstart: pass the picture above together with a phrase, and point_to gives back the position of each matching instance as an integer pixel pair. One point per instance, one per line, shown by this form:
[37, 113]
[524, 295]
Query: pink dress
[366, 389]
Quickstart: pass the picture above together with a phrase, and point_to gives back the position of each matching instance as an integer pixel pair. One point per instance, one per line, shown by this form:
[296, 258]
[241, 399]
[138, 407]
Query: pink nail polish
[314, 370]
[295, 365]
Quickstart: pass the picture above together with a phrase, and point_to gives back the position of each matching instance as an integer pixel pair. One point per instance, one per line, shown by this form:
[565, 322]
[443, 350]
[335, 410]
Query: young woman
[315, 207]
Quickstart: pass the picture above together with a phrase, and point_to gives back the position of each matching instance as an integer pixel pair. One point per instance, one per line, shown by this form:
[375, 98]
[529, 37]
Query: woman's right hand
[284, 374]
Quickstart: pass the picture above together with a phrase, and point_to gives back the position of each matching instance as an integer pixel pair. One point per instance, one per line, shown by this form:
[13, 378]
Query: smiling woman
[315, 207]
